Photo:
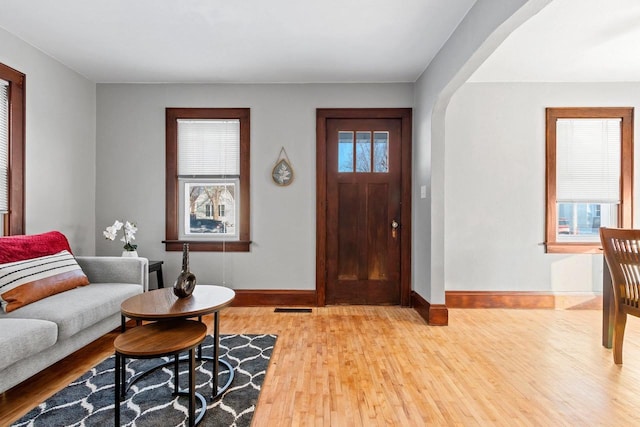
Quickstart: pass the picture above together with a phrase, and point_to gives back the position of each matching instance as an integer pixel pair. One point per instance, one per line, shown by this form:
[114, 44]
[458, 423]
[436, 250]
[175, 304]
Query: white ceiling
[571, 41]
[246, 41]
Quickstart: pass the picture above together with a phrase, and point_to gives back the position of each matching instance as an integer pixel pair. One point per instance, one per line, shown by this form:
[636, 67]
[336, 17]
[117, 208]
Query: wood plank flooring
[370, 366]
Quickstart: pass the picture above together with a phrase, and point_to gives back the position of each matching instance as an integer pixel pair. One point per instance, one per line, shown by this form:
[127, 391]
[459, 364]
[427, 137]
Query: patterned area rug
[88, 401]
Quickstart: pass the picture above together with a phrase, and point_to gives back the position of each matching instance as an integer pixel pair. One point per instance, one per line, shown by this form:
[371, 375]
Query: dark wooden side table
[158, 340]
[157, 267]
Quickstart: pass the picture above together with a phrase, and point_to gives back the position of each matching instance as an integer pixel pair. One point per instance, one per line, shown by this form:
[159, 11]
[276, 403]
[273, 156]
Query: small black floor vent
[292, 310]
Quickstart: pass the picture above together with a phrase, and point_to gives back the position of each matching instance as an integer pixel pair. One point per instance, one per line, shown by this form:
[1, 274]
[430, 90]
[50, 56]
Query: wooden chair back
[622, 255]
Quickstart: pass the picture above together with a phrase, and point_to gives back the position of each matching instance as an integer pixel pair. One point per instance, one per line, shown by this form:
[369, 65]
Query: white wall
[131, 179]
[65, 182]
[60, 145]
[486, 25]
[495, 185]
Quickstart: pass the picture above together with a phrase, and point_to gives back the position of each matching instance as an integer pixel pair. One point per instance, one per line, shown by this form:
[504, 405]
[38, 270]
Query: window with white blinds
[589, 175]
[4, 146]
[12, 150]
[208, 148]
[588, 160]
[208, 177]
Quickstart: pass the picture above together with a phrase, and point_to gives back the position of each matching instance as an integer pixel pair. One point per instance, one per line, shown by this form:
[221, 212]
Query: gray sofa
[39, 334]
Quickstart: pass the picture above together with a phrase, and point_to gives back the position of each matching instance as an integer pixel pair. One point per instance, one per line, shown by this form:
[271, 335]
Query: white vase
[130, 254]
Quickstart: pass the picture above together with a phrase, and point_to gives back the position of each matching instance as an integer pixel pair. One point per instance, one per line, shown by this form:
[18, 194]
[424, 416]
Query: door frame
[324, 114]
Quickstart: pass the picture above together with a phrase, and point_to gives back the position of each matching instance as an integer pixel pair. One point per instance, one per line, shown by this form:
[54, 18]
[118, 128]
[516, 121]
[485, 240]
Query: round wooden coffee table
[161, 339]
[162, 304]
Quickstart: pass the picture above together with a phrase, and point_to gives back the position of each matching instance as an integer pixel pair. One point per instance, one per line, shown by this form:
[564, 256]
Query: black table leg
[123, 377]
[216, 352]
[159, 277]
[192, 387]
[176, 374]
[199, 356]
[116, 392]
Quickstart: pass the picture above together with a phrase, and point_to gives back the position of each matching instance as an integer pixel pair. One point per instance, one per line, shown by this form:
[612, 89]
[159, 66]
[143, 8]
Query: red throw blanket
[17, 248]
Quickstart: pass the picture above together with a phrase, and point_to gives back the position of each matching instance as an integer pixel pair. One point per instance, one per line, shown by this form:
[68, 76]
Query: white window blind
[208, 148]
[4, 146]
[588, 160]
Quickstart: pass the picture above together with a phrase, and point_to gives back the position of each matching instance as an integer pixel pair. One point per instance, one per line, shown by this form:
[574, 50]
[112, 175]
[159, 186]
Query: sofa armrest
[105, 269]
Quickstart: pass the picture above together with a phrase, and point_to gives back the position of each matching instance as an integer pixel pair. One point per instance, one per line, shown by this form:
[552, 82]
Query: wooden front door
[364, 226]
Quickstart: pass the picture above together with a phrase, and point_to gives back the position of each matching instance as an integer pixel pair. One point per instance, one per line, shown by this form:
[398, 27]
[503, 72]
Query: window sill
[574, 248]
[210, 246]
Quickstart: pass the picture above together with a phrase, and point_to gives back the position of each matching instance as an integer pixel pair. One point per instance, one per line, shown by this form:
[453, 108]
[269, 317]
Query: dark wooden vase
[186, 281]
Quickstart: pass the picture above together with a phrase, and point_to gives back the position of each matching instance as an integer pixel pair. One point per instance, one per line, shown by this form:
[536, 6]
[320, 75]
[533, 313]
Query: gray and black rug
[88, 401]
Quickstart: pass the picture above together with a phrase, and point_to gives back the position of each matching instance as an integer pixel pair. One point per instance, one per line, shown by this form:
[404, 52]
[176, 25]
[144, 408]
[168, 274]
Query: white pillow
[27, 281]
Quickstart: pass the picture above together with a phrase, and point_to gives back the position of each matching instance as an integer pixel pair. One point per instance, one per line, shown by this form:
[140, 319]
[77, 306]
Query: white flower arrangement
[129, 234]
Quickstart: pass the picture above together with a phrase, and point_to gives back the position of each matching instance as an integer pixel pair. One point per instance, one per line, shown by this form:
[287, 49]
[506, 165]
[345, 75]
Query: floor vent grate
[292, 310]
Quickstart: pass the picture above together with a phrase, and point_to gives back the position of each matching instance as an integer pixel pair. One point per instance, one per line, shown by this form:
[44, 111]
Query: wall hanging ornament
[282, 173]
[186, 281]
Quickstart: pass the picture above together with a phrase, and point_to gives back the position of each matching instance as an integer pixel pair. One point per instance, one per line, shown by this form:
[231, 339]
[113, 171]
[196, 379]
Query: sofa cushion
[23, 282]
[78, 308]
[17, 248]
[21, 338]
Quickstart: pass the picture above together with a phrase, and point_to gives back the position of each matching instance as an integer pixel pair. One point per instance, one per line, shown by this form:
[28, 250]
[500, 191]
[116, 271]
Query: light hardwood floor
[369, 366]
